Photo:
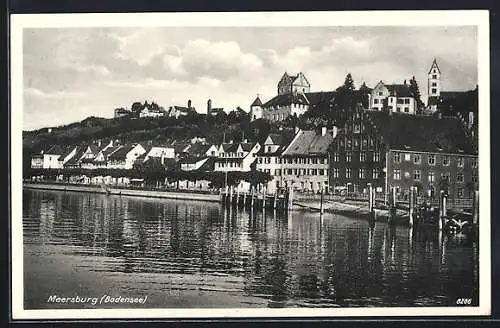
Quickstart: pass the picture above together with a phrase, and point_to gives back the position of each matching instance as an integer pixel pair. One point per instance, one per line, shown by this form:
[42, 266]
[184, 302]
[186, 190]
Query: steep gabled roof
[422, 133]
[66, 152]
[434, 64]
[287, 99]
[229, 147]
[55, 150]
[247, 146]
[256, 102]
[309, 142]
[399, 90]
[121, 152]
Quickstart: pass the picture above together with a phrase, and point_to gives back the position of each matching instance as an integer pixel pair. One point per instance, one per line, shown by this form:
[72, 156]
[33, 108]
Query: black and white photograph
[194, 165]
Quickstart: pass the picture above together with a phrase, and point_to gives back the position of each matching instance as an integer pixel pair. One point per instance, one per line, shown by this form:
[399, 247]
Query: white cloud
[37, 93]
[141, 45]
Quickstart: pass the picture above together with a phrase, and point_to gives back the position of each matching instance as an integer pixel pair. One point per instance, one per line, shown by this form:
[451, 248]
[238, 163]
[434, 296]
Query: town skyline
[71, 73]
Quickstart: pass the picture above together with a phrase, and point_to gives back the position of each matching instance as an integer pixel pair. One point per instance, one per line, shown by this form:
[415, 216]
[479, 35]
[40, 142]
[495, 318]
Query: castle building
[293, 83]
[294, 99]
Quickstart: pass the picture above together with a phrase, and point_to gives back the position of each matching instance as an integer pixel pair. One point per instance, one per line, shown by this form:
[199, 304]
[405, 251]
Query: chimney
[296, 129]
[189, 103]
[323, 131]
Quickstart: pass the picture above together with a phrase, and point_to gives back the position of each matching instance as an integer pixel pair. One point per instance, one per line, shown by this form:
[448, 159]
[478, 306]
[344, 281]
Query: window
[321, 172]
[375, 173]
[417, 159]
[474, 177]
[407, 110]
[361, 173]
[460, 192]
[314, 171]
[446, 160]
[407, 157]
[348, 156]
[431, 159]
[460, 177]
[375, 101]
[357, 128]
[336, 172]
[445, 176]
[315, 161]
[362, 156]
[474, 163]
[460, 162]
[335, 157]
[380, 93]
[348, 173]
[397, 158]
[371, 142]
[295, 160]
[376, 156]
[397, 174]
[431, 177]
[398, 109]
[407, 101]
[434, 90]
[356, 143]
[295, 171]
[434, 76]
[400, 101]
[260, 160]
[416, 175]
[364, 143]
[277, 172]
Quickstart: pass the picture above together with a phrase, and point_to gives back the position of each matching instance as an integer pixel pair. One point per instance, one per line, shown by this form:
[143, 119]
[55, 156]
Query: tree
[363, 94]
[415, 93]
[345, 100]
[136, 107]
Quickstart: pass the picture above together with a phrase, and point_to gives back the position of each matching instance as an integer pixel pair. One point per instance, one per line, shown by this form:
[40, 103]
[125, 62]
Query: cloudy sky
[72, 73]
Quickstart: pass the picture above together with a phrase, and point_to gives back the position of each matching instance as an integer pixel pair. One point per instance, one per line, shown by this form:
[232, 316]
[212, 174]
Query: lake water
[182, 254]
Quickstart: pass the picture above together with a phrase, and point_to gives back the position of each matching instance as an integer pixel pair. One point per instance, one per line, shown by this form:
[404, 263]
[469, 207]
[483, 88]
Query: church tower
[433, 85]
[256, 109]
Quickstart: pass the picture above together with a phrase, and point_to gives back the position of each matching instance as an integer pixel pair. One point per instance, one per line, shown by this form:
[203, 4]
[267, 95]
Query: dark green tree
[415, 93]
[345, 101]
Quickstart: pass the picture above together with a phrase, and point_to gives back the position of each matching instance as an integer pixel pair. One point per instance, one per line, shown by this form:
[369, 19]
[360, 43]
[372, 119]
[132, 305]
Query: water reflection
[299, 259]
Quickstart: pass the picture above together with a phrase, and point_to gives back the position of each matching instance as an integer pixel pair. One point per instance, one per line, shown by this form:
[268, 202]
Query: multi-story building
[269, 158]
[236, 156]
[394, 97]
[358, 155]
[294, 99]
[305, 161]
[389, 150]
[48, 159]
[125, 156]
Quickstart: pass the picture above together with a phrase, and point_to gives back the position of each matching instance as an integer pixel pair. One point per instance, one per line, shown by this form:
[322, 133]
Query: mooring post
[244, 198]
[475, 208]
[392, 208]
[252, 197]
[441, 209]
[321, 207]
[290, 198]
[275, 198]
[263, 198]
[411, 205]
[237, 196]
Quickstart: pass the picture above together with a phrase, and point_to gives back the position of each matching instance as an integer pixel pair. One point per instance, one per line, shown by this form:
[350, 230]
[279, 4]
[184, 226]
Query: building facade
[394, 97]
[236, 156]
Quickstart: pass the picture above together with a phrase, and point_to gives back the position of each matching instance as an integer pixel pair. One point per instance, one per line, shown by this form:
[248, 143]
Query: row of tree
[152, 177]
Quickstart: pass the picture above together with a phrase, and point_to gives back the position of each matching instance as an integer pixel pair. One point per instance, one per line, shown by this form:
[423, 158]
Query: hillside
[162, 129]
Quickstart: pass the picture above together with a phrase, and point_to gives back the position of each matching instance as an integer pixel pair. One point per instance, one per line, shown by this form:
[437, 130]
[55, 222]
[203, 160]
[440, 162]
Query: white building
[125, 156]
[152, 112]
[394, 97]
[160, 152]
[236, 156]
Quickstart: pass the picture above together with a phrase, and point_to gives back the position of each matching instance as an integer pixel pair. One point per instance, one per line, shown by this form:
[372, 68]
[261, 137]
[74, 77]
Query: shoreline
[177, 195]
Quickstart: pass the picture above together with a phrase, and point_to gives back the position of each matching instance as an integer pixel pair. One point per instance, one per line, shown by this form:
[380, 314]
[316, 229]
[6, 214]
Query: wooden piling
[263, 198]
[253, 197]
[275, 199]
[475, 208]
[290, 198]
[411, 205]
[321, 207]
